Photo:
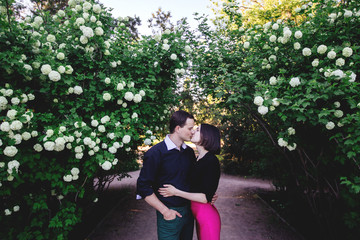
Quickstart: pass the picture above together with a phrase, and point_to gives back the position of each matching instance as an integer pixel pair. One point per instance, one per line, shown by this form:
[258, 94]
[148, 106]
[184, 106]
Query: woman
[204, 180]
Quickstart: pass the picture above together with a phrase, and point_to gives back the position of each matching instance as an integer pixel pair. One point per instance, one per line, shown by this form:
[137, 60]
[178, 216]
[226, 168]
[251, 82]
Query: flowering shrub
[77, 96]
[299, 81]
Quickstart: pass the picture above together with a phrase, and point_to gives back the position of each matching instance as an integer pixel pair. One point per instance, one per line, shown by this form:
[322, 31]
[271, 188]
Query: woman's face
[196, 136]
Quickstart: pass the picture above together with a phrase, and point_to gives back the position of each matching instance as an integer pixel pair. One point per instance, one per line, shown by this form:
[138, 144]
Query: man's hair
[179, 118]
[210, 138]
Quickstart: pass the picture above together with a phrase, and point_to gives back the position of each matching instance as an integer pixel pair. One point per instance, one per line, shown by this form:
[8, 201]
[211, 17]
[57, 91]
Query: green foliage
[295, 78]
[78, 94]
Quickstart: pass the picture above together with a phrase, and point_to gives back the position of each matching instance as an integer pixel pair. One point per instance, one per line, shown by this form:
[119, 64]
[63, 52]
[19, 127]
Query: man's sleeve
[148, 173]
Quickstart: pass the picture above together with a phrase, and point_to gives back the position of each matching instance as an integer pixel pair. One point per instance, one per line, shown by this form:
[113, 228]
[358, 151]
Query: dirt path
[244, 216]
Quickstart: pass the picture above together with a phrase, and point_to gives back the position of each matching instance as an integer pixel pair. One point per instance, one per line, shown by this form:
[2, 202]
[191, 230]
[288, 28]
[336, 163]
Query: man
[169, 162]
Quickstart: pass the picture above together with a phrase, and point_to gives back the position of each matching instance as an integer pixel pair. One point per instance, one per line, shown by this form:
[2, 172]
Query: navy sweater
[161, 167]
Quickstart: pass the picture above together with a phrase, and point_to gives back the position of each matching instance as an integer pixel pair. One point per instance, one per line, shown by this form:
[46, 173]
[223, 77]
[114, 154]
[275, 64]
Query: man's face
[186, 132]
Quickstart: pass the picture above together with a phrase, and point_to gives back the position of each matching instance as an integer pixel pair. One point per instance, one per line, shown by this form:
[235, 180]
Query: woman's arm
[169, 190]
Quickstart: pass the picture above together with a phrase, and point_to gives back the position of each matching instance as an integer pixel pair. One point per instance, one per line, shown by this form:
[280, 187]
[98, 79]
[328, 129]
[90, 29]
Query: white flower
[337, 104]
[330, 125]
[297, 46]
[93, 19]
[34, 133]
[112, 150]
[322, 49]
[16, 125]
[126, 139]
[60, 56]
[38, 147]
[49, 146]
[173, 56]
[188, 49]
[272, 38]
[258, 100]
[306, 52]
[338, 74]
[94, 123]
[298, 34]
[28, 67]
[101, 128]
[49, 132]
[287, 33]
[275, 26]
[78, 90]
[5, 127]
[106, 96]
[11, 114]
[294, 82]
[275, 102]
[246, 45]
[87, 32]
[331, 54]
[3, 102]
[99, 31]
[142, 93]
[10, 151]
[75, 171]
[7, 212]
[68, 178]
[353, 77]
[69, 69]
[54, 76]
[79, 155]
[347, 13]
[291, 147]
[340, 62]
[84, 40]
[147, 141]
[263, 110]
[105, 119]
[96, 8]
[26, 136]
[347, 52]
[291, 131]
[76, 177]
[315, 63]
[165, 47]
[106, 165]
[338, 113]
[16, 208]
[51, 38]
[129, 96]
[15, 101]
[282, 142]
[120, 87]
[45, 69]
[137, 98]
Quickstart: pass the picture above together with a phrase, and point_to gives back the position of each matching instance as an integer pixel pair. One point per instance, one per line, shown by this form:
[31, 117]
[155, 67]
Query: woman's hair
[179, 118]
[210, 138]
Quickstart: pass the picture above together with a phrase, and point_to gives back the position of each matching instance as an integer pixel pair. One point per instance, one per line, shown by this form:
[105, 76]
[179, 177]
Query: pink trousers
[208, 221]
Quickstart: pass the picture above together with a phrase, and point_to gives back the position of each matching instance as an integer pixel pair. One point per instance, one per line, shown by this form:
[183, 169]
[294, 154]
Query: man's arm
[169, 214]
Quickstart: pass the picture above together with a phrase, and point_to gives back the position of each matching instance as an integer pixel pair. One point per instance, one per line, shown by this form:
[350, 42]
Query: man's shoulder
[159, 147]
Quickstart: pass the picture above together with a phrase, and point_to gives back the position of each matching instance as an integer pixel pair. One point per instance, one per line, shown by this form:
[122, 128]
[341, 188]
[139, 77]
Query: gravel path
[244, 215]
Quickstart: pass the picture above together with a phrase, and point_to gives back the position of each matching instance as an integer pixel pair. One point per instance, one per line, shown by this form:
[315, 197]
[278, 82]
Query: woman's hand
[168, 190]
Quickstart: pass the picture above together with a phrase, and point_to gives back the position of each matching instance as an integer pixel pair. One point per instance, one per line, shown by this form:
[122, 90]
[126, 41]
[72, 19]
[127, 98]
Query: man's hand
[171, 214]
[215, 197]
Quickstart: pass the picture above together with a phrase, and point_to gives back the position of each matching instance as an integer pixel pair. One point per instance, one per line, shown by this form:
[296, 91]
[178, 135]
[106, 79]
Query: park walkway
[243, 214]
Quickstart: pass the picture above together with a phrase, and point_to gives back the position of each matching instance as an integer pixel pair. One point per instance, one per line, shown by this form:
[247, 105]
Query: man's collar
[171, 145]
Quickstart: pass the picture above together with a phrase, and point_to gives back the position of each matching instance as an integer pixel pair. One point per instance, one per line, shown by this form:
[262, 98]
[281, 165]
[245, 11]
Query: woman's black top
[205, 175]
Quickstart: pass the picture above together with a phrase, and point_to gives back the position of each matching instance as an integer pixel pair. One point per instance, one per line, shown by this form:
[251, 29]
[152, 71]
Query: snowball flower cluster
[10, 151]
[330, 125]
[78, 90]
[282, 142]
[294, 82]
[106, 96]
[147, 141]
[322, 49]
[126, 139]
[263, 110]
[306, 52]
[258, 100]
[87, 32]
[129, 96]
[54, 76]
[291, 131]
[347, 52]
[106, 165]
[173, 56]
[14, 164]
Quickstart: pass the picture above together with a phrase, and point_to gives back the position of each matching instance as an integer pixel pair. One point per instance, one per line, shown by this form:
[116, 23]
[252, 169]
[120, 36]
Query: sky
[144, 8]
